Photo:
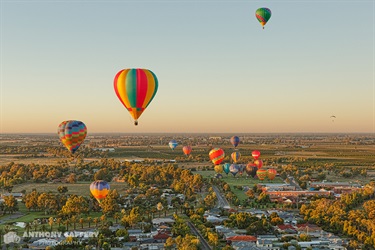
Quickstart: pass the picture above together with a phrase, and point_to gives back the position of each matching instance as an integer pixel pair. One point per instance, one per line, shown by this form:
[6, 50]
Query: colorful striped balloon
[99, 189]
[72, 133]
[217, 155]
[135, 88]
[262, 174]
[258, 163]
[263, 15]
[236, 156]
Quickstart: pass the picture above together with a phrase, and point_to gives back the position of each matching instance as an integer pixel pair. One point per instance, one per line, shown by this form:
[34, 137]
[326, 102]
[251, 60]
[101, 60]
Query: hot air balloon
[72, 133]
[271, 173]
[241, 168]
[233, 169]
[235, 140]
[173, 144]
[217, 155]
[262, 174]
[135, 88]
[187, 150]
[236, 156]
[255, 154]
[218, 169]
[251, 169]
[99, 189]
[258, 163]
[263, 15]
[226, 167]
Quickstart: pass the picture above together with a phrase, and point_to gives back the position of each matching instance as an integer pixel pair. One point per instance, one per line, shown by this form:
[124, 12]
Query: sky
[218, 70]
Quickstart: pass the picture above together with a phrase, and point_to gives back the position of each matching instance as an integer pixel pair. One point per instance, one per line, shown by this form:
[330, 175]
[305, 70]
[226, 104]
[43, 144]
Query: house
[247, 238]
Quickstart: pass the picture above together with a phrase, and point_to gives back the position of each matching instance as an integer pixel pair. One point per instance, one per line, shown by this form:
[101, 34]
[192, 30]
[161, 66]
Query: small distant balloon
[99, 189]
[173, 144]
[263, 15]
[333, 118]
[271, 173]
[72, 133]
[226, 167]
[255, 154]
[258, 163]
[262, 174]
[217, 156]
[235, 140]
[236, 156]
[187, 150]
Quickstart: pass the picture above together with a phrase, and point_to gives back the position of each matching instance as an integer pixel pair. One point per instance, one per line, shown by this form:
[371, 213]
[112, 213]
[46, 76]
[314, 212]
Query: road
[222, 202]
[204, 245]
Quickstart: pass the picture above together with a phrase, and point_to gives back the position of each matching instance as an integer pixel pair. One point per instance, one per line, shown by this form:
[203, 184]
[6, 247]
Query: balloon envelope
[218, 169]
[72, 133]
[263, 15]
[258, 163]
[255, 154]
[262, 174]
[187, 150]
[271, 173]
[236, 156]
[173, 144]
[233, 169]
[217, 155]
[226, 167]
[99, 189]
[135, 89]
[251, 169]
[235, 140]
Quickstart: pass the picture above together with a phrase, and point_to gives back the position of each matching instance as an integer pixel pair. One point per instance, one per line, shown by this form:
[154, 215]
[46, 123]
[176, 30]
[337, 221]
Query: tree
[159, 207]
[75, 205]
[10, 204]
[62, 189]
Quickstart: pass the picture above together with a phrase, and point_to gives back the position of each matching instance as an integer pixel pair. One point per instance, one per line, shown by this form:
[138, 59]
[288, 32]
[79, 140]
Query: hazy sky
[218, 71]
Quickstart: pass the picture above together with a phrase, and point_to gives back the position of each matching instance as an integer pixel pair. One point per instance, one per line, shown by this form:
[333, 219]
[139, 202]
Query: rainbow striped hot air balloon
[271, 173]
[263, 15]
[72, 133]
[236, 156]
[135, 88]
[262, 174]
[217, 156]
[99, 189]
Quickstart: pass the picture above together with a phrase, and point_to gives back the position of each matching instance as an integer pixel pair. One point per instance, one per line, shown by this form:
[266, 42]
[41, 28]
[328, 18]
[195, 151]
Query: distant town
[303, 191]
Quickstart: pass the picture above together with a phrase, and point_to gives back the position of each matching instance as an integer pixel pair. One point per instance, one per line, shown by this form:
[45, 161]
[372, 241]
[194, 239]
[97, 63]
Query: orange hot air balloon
[271, 173]
[258, 163]
[218, 169]
[217, 155]
[255, 154]
[99, 189]
[187, 150]
[135, 88]
[262, 174]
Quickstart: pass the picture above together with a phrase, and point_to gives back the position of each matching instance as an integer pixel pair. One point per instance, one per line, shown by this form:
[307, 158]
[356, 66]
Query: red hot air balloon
[217, 156]
[262, 174]
[187, 150]
[271, 173]
[258, 163]
[255, 154]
